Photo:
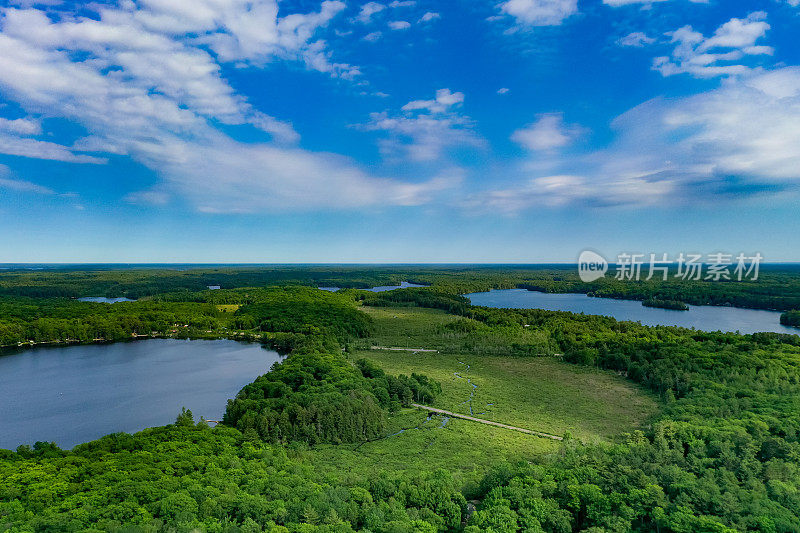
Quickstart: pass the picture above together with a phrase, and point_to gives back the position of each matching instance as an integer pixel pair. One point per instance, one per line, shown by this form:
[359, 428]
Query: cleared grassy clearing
[542, 394]
[429, 443]
[539, 393]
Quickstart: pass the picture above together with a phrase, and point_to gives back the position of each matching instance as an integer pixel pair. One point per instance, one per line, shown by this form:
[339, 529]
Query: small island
[791, 318]
[674, 305]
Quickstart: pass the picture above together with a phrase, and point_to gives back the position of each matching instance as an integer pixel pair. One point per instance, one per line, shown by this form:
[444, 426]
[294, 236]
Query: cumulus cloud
[636, 39]
[373, 36]
[548, 132]
[368, 10]
[722, 54]
[429, 16]
[21, 126]
[399, 25]
[445, 99]
[539, 12]
[425, 128]
[144, 81]
[738, 140]
[503, 90]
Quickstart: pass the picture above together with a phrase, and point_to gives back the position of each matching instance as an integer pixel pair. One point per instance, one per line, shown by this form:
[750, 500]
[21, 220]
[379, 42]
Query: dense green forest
[722, 454]
[777, 287]
[791, 318]
[315, 398]
[665, 304]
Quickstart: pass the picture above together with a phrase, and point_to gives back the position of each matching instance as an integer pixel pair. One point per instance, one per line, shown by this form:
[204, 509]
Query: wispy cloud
[429, 16]
[7, 182]
[636, 39]
[145, 81]
[21, 126]
[425, 128]
[399, 25]
[368, 10]
[722, 54]
[547, 133]
[740, 139]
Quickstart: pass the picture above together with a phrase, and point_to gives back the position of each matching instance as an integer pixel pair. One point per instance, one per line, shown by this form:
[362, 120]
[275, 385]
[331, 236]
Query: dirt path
[397, 349]
[487, 422]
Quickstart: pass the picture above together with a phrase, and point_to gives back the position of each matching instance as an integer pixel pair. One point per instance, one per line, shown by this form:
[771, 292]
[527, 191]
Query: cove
[701, 317]
[74, 394]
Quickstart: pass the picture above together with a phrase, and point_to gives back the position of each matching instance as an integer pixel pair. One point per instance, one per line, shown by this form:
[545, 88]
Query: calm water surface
[702, 317]
[76, 394]
[104, 300]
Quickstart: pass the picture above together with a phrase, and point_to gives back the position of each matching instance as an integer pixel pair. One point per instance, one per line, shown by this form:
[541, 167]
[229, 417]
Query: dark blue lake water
[702, 317]
[74, 394]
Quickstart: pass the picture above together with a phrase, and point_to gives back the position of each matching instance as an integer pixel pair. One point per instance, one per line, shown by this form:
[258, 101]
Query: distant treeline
[779, 290]
[778, 287]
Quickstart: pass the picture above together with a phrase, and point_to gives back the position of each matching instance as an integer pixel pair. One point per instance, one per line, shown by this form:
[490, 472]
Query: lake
[702, 317]
[75, 394]
[104, 300]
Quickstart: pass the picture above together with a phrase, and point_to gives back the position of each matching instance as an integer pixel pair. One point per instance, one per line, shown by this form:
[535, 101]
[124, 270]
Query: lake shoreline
[123, 386]
[709, 318]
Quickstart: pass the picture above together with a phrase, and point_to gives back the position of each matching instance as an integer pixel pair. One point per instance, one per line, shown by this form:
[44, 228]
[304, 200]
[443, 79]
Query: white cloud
[139, 80]
[31, 3]
[636, 39]
[429, 16]
[719, 55]
[21, 126]
[738, 140]
[549, 132]
[368, 10]
[503, 90]
[25, 147]
[399, 25]
[148, 198]
[403, 3]
[539, 12]
[618, 3]
[426, 128]
[443, 101]
[645, 3]
[20, 185]
[374, 36]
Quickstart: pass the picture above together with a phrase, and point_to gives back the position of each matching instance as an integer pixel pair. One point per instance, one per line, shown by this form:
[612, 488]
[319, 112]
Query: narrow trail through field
[487, 422]
[401, 349]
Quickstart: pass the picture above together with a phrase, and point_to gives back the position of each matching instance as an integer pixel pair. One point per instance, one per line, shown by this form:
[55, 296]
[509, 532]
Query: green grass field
[538, 393]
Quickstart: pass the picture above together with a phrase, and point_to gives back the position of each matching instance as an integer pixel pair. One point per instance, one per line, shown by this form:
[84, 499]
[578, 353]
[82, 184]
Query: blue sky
[397, 131]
